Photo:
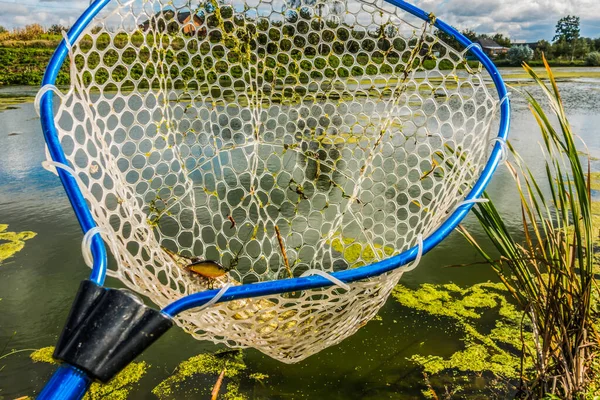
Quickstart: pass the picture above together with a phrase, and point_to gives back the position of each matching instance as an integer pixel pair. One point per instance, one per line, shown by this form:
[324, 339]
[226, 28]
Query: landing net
[273, 137]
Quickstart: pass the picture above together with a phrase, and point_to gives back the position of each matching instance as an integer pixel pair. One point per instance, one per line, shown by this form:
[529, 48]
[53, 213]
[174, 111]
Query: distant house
[173, 21]
[491, 48]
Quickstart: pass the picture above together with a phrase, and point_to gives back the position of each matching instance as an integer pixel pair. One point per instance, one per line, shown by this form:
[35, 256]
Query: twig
[215, 392]
[283, 253]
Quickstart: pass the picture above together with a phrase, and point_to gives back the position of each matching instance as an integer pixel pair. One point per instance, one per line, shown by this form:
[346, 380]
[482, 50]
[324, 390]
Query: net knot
[86, 245]
[327, 276]
[67, 43]
[466, 63]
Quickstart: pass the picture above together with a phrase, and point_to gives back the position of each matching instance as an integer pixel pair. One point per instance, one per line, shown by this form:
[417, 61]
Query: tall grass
[550, 272]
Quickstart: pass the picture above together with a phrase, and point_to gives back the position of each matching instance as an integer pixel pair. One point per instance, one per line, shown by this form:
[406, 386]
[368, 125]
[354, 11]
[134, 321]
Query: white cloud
[20, 13]
[520, 19]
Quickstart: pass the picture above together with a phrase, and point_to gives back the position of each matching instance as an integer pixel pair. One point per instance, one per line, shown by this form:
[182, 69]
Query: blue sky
[521, 19]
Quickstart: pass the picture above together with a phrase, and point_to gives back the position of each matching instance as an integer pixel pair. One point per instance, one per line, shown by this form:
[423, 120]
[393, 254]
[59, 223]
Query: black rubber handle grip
[107, 329]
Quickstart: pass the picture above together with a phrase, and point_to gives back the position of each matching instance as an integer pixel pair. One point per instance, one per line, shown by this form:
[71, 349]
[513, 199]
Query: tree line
[566, 45]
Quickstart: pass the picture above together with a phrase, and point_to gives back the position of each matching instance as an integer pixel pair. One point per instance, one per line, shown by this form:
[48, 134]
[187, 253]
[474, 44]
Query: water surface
[38, 284]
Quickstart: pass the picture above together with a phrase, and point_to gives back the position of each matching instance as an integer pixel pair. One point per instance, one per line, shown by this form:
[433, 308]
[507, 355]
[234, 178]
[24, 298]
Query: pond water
[37, 285]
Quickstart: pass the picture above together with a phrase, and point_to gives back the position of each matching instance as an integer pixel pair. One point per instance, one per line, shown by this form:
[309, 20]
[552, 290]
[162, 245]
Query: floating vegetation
[44, 355]
[117, 389]
[12, 103]
[357, 253]
[497, 353]
[121, 385]
[12, 242]
[227, 365]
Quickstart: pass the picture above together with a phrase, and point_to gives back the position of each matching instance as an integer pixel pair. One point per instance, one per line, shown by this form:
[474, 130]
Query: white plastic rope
[470, 201]
[505, 98]
[49, 164]
[419, 255]
[86, 245]
[87, 238]
[466, 64]
[67, 41]
[469, 47]
[216, 298]
[43, 90]
[504, 148]
[327, 276]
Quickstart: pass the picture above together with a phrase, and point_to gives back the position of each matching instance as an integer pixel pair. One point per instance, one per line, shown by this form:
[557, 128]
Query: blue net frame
[287, 285]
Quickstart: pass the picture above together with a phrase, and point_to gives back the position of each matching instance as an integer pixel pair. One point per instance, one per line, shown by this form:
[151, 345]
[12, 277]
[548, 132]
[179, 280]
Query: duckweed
[497, 352]
[121, 385]
[117, 389]
[356, 253]
[44, 355]
[12, 242]
[206, 364]
[12, 103]
[259, 377]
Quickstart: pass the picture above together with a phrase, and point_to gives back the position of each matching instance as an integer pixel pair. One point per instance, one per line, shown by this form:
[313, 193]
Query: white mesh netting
[273, 137]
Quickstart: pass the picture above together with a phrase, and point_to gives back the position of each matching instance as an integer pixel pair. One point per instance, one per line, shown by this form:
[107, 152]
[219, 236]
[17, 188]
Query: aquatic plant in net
[274, 139]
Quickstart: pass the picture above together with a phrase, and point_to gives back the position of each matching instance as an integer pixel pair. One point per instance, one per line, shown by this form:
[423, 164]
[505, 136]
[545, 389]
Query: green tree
[567, 29]
[561, 48]
[543, 48]
[517, 55]
[470, 34]
[3, 29]
[57, 29]
[501, 40]
[581, 48]
[593, 59]
[447, 39]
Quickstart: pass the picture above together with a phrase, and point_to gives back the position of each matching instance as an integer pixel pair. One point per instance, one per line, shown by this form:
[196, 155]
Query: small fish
[202, 270]
[207, 268]
[206, 273]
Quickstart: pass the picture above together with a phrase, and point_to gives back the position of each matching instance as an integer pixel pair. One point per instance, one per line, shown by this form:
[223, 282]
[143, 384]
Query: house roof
[489, 44]
[182, 16]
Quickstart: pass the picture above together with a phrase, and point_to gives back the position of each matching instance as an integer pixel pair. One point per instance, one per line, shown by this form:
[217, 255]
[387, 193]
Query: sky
[525, 20]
